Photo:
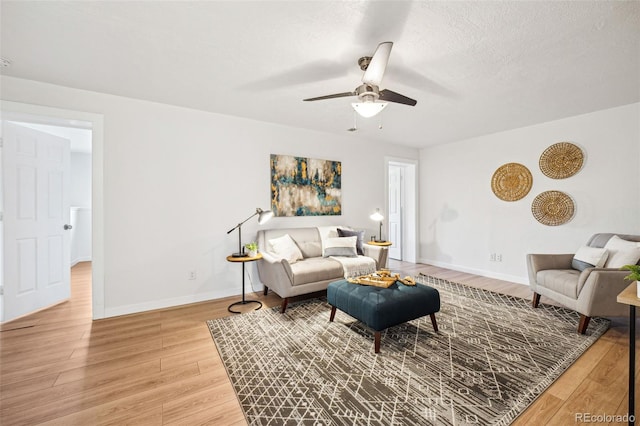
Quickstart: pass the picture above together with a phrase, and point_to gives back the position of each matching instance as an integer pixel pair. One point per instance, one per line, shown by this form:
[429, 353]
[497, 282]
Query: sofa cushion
[563, 281]
[600, 240]
[285, 248]
[307, 239]
[358, 234]
[589, 257]
[340, 246]
[622, 252]
[316, 269]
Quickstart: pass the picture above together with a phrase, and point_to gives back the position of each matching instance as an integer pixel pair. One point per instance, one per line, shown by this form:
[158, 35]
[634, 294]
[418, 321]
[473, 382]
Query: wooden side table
[628, 296]
[244, 260]
[380, 243]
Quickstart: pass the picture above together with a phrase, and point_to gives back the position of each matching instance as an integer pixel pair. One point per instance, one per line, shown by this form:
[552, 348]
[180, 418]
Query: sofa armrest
[597, 295]
[607, 273]
[270, 257]
[273, 270]
[541, 262]
[377, 253]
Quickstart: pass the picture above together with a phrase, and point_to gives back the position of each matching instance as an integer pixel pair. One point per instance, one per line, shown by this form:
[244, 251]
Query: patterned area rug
[492, 357]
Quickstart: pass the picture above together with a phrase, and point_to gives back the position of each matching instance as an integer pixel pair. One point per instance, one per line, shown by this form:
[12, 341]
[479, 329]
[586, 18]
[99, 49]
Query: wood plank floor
[57, 367]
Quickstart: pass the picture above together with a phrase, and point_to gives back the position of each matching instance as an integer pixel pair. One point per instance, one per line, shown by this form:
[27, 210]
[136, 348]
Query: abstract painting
[305, 186]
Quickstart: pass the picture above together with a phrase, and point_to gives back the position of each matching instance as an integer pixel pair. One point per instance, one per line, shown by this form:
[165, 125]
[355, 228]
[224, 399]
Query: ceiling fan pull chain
[355, 122]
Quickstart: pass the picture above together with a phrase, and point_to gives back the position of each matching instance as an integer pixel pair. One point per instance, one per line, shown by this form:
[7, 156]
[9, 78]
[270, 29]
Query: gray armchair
[591, 292]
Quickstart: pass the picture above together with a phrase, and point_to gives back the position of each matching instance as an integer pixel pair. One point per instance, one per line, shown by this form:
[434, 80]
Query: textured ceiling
[474, 67]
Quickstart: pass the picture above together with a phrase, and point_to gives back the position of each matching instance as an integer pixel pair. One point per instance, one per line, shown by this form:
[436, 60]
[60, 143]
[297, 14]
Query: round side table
[243, 260]
[380, 243]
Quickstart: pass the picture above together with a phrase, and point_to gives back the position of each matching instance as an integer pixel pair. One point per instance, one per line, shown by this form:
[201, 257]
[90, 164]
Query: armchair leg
[584, 323]
[535, 300]
[285, 302]
[265, 290]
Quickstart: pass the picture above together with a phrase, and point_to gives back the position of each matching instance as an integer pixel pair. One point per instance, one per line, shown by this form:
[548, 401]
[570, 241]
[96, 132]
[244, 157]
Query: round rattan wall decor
[553, 208]
[511, 182]
[561, 160]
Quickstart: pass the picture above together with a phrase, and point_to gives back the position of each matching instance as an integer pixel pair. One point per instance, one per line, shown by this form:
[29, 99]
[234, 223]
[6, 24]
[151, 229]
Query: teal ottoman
[381, 308]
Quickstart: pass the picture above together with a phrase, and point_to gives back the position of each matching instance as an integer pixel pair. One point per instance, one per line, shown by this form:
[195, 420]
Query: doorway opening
[402, 204]
[85, 212]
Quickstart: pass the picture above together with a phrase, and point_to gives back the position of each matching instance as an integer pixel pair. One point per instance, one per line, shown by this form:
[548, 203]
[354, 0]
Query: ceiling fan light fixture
[368, 109]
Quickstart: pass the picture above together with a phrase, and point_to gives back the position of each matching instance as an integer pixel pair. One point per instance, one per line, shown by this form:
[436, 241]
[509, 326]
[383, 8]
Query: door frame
[16, 111]
[410, 220]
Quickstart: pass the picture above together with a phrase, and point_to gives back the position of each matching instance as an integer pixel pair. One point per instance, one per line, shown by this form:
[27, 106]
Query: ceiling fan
[369, 92]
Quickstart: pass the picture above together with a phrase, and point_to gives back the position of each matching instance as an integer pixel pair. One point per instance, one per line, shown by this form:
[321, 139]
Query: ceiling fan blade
[337, 95]
[375, 70]
[306, 73]
[382, 20]
[390, 96]
[416, 80]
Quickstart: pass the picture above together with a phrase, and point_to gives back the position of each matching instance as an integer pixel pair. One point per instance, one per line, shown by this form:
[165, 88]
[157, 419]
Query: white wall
[176, 179]
[80, 198]
[80, 191]
[80, 220]
[462, 221]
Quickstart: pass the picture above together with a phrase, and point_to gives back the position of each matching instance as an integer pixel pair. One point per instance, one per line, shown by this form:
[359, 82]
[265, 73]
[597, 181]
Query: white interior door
[395, 211]
[36, 217]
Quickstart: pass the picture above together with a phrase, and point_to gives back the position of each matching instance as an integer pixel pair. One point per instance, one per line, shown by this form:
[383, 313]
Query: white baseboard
[167, 303]
[489, 274]
[74, 262]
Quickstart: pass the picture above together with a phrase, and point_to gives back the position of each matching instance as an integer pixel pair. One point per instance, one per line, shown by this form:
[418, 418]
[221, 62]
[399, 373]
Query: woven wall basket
[561, 160]
[511, 182]
[553, 208]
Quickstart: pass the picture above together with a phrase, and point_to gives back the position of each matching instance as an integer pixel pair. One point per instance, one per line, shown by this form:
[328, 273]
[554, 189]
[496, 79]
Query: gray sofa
[313, 273]
[591, 292]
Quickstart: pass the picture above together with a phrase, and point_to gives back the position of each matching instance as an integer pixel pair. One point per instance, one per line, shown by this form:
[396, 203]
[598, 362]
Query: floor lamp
[240, 256]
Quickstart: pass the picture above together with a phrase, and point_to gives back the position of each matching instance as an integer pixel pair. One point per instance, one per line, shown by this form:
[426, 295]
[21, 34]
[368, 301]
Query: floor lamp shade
[263, 217]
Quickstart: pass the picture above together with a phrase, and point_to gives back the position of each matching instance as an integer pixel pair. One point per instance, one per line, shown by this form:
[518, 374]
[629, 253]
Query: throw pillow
[358, 234]
[340, 246]
[621, 252]
[327, 232]
[589, 257]
[285, 248]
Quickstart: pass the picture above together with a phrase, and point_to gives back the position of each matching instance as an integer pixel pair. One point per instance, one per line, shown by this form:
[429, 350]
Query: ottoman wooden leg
[433, 322]
[333, 314]
[376, 340]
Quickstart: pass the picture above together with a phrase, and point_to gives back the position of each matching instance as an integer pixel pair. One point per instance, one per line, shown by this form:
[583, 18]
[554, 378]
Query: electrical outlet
[499, 257]
[191, 274]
